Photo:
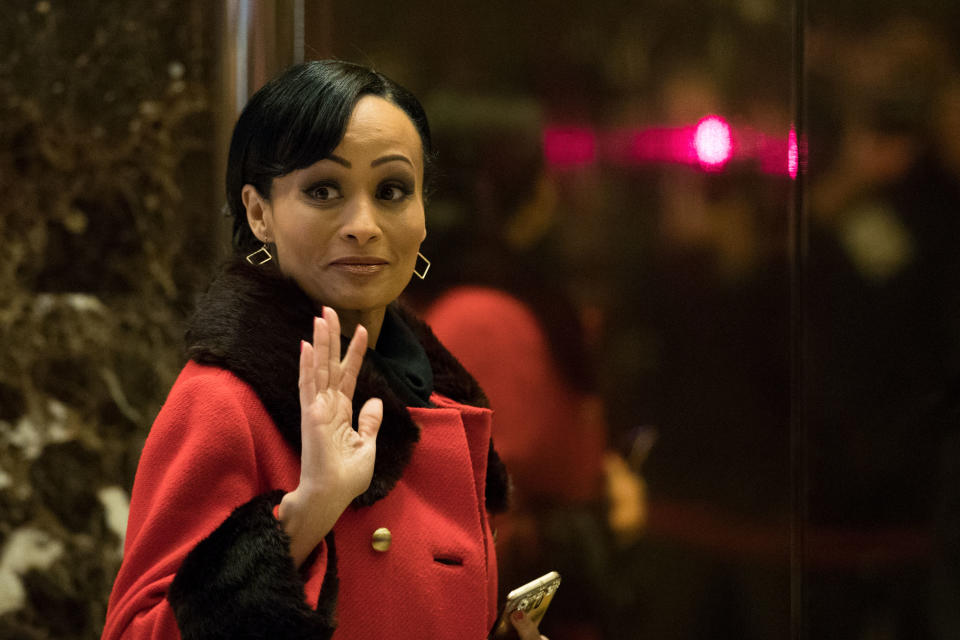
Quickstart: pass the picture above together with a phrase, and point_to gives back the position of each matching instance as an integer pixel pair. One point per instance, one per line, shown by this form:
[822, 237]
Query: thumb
[371, 415]
[525, 627]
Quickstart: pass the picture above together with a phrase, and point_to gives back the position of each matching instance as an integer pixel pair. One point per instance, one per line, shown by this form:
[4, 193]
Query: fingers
[350, 367]
[371, 415]
[525, 627]
[333, 345]
[324, 356]
[319, 361]
[307, 381]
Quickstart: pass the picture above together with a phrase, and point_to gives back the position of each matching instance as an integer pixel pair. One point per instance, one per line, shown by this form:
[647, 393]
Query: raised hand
[336, 461]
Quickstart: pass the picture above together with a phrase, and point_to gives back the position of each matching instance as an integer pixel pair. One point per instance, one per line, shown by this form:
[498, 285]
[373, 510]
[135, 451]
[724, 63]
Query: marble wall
[108, 221]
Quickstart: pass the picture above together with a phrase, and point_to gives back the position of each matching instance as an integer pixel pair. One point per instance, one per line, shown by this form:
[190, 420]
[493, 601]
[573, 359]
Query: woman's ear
[258, 212]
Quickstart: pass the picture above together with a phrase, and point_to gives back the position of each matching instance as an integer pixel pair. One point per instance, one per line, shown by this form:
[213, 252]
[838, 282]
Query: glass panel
[881, 330]
[621, 169]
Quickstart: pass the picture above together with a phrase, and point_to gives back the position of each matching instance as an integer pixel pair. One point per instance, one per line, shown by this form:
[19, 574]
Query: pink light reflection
[710, 145]
[713, 142]
[793, 154]
[662, 144]
[566, 146]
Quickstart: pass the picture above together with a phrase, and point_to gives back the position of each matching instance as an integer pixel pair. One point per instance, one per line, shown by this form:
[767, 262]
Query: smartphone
[533, 598]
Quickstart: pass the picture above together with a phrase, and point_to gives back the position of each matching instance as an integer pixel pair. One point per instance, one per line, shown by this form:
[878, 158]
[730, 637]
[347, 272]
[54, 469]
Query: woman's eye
[393, 192]
[324, 192]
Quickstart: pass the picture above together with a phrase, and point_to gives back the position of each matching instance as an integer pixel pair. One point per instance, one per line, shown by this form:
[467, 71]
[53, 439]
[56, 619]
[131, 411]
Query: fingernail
[323, 311]
[301, 346]
[518, 614]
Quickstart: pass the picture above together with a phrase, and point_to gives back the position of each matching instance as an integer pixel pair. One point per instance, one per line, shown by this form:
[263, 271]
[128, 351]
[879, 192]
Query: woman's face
[348, 228]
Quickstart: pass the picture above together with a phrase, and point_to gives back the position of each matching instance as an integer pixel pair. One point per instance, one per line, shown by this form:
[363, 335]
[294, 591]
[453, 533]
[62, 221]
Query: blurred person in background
[503, 309]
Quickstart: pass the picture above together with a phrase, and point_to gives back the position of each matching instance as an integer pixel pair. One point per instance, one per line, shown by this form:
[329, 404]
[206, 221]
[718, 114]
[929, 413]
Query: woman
[297, 495]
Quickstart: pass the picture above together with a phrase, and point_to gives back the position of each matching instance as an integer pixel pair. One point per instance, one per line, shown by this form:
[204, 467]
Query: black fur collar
[251, 321]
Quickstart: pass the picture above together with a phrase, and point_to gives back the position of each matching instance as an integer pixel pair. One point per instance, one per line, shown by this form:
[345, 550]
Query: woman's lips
[359, 266]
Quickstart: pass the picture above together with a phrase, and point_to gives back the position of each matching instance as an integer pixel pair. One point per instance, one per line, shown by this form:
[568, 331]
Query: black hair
[298, 118]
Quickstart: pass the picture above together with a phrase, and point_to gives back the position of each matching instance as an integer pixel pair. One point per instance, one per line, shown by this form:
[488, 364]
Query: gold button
[382, 539]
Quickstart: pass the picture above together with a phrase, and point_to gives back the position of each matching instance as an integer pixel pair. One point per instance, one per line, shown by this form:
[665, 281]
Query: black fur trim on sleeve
[327, 600]
[241, 583]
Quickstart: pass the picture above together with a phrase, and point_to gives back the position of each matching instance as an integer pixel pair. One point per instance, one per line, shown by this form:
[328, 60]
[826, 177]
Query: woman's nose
[360, 222]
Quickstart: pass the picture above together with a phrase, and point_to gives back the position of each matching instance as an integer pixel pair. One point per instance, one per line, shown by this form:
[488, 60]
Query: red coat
[205, 556]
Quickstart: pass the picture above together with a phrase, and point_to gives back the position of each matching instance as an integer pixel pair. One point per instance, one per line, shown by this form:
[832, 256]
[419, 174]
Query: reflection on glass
[620, 175]
[882, 320]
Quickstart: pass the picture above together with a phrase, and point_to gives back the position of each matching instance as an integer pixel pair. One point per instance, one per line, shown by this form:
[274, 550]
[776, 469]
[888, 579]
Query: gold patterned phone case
[532, 598]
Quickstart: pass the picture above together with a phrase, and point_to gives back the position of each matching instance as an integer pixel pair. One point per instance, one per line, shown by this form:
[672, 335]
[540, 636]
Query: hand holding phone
[532, 598]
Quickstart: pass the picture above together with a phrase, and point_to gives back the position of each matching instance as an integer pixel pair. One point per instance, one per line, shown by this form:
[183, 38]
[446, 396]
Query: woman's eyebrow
[391, 158]
[340, 160]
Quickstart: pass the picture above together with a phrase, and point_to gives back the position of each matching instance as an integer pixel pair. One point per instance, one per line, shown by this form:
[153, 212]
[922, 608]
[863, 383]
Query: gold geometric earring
[260, 256]
[426, 267]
